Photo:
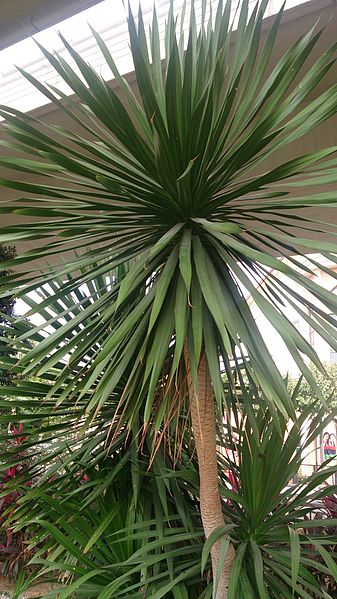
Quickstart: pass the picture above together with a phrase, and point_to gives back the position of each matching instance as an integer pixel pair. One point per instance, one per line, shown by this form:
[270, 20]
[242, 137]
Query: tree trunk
[204, 431]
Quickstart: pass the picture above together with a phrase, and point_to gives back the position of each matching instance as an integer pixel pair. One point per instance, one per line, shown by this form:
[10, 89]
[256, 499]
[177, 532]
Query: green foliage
[116, 528]
[13, 550]
[7, 253]
[278, 545]
[326, 381]
[175, 178]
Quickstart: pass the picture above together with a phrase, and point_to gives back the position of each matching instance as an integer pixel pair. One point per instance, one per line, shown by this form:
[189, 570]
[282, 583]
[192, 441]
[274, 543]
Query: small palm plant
[174, 177]
[279, 546]
[101, 536]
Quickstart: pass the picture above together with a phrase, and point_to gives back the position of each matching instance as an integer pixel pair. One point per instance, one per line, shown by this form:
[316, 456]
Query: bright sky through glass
[109, 19]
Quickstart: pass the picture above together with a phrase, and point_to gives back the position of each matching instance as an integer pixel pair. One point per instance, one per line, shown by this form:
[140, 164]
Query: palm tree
[174, 178]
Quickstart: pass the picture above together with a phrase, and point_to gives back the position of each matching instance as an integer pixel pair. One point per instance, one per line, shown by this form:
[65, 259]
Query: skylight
[109, 19]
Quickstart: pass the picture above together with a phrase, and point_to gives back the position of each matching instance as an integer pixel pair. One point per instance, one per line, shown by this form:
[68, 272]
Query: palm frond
[175, 177]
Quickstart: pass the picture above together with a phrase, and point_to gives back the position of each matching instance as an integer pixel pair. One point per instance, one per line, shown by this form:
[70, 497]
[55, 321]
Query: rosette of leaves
[282, 549]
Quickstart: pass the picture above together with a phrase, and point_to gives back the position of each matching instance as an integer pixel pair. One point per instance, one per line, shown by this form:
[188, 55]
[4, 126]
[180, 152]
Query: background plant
[118, 528]
[327, 382]
[14, 554]
[7, 253]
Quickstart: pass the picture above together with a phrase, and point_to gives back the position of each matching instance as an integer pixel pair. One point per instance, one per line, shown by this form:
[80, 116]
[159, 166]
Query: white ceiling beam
[21, 19]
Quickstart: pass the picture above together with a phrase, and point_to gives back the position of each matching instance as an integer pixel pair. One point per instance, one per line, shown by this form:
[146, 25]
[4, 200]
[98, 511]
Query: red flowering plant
[12, 544]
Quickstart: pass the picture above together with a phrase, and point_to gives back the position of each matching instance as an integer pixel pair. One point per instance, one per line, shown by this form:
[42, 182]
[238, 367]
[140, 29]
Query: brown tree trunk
[204, 431]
